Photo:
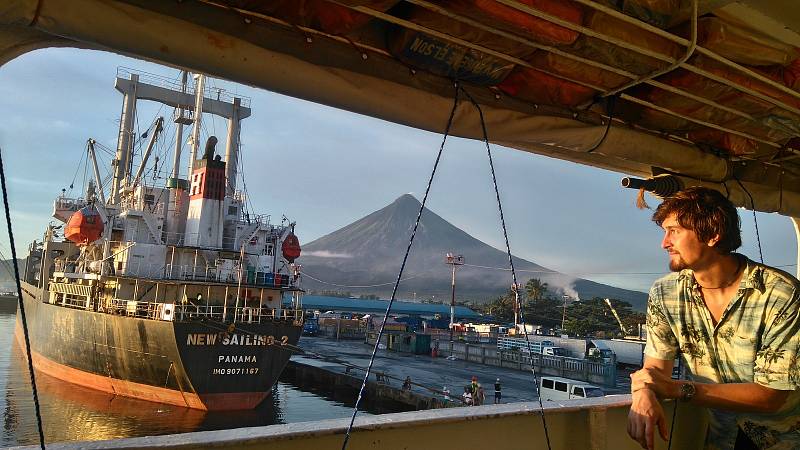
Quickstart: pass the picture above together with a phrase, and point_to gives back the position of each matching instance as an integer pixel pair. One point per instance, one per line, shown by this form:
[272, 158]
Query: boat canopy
[697, 92]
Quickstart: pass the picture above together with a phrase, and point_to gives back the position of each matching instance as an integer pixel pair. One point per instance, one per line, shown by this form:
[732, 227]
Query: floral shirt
[756, 340]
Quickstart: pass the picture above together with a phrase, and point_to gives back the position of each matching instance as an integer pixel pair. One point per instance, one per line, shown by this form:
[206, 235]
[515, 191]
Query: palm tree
[535, 289]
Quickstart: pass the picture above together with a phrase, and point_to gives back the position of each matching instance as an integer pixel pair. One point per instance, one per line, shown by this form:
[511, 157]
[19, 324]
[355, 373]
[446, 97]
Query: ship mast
[124, 141]
[176, 200]
[200, 87]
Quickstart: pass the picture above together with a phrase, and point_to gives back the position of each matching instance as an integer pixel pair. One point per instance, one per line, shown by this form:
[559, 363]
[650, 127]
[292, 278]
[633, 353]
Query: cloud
[327, 254]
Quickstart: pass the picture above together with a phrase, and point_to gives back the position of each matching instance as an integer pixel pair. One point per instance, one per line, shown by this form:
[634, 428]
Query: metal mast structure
[454, 261]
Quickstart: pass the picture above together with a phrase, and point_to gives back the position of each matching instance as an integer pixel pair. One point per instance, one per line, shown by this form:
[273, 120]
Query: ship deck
[596, 424]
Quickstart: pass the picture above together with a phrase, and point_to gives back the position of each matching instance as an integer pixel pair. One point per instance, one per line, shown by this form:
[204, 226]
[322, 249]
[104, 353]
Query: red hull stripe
[211, 402]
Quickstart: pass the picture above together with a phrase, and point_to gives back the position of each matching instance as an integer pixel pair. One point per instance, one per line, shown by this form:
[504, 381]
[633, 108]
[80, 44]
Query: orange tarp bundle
[538, 87]
[607, 53]
[318, 14]
[661, 13]
[721, 93]
[734, 144]
[442, 57]
[528, 26]
[791, 75]
[740, 44]
[576, 70]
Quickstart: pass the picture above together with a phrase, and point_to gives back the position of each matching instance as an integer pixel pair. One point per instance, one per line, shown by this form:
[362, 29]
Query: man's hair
[706, 212]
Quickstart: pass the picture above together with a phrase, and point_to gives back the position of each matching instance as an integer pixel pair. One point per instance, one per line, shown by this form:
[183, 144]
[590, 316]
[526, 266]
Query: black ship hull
[201, 365]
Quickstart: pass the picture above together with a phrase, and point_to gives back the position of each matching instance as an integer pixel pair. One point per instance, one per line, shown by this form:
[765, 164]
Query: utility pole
[454, 261]
[564, 314]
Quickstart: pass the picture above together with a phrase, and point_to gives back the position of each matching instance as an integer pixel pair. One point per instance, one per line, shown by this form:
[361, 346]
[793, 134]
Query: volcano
[364, 257]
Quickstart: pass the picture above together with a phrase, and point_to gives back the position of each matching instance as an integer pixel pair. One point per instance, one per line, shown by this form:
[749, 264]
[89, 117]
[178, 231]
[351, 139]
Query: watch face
[687, 391]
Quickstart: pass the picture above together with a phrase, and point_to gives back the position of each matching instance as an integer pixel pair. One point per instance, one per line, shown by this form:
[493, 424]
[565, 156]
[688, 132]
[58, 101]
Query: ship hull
[201, 365]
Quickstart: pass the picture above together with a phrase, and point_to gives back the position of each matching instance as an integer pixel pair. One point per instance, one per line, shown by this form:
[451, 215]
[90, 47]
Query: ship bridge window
[561, 386]
[547, 384]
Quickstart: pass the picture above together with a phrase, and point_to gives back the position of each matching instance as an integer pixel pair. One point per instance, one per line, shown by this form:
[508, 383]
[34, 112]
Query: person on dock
[446, 395]
[497, 393]
[407, 384]
[735, 323]
[467, 395]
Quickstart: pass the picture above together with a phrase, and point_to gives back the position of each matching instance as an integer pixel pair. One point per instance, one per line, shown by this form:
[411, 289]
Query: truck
[558, 388]
[627, 352]
[545, 347]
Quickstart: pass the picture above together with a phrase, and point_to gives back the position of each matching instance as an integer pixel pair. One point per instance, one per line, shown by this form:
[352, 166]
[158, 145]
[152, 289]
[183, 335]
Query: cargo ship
[166, 289]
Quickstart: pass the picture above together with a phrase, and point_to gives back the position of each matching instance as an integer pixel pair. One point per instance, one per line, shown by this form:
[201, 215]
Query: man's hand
[646, 414]
[655, 380]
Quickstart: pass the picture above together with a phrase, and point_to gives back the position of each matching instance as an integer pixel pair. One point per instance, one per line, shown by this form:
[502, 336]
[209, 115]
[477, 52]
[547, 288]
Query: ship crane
[616, 316]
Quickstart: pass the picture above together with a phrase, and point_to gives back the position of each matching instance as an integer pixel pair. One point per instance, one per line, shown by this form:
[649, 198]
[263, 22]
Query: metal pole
[453, 260]
[200, 85]
[564, 314]
[122, 159]
[159, 126]
[239, 289]
[232, 149]
[452, 302]
[96, 171]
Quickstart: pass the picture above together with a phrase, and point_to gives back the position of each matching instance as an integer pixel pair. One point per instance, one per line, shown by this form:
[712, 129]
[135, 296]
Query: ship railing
[188, 312]
[241, 314]
[69, 204]
[215, 273]
[210, 92]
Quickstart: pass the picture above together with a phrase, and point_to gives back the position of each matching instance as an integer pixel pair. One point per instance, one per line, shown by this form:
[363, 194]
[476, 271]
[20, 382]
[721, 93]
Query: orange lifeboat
[85, 226]
[291, 247]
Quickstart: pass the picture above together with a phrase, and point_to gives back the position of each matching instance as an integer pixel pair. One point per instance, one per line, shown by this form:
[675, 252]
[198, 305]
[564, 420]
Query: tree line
[542, 307]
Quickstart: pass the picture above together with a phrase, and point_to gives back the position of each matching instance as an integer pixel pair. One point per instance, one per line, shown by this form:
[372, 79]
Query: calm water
[70, 412]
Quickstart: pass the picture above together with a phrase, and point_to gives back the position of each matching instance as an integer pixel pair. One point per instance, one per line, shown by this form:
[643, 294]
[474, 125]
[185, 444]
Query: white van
[557, 388]
[554, 351]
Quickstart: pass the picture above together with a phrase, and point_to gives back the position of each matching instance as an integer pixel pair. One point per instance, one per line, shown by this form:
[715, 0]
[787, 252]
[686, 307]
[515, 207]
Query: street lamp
[453, 260]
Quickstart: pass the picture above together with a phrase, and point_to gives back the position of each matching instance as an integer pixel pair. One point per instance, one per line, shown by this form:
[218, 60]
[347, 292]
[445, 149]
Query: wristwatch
[687, 391]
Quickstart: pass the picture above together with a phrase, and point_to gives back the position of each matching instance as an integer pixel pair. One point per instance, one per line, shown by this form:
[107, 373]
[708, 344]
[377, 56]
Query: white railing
[175, 85]
[179, 312]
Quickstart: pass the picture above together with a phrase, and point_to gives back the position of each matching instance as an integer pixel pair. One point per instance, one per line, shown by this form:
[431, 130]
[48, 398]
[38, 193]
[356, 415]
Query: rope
[755, 220]
[515, 285]
[402, 267]
[612, 101]
[21, 303]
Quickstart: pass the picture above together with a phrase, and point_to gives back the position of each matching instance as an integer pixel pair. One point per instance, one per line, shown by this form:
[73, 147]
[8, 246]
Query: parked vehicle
[598, 350]
[557, 388]
[310, 327]
[628, 352]
[545, 347]
[554, 351]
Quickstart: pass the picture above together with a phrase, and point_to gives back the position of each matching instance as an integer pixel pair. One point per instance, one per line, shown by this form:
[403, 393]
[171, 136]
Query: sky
[325, 168]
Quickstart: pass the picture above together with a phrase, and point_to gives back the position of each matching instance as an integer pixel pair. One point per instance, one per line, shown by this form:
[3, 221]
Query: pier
[429, 375]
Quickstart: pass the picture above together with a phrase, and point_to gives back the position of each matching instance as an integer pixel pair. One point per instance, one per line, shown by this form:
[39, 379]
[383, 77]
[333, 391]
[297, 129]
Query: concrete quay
[425, 372]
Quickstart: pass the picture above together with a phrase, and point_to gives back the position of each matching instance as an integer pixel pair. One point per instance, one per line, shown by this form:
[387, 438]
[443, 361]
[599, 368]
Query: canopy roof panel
[641, 87]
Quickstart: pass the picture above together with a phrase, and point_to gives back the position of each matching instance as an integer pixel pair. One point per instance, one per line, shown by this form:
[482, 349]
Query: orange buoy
[291, 247]
[85, 226]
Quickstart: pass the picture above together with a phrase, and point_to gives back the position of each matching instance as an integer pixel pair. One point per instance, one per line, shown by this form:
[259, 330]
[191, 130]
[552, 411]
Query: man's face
[685, 250]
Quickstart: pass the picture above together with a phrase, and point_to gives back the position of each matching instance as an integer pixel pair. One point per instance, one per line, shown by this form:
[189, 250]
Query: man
[497, 391]
[736, 324]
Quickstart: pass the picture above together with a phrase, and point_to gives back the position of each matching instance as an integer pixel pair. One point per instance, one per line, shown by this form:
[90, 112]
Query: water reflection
[71, 412]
